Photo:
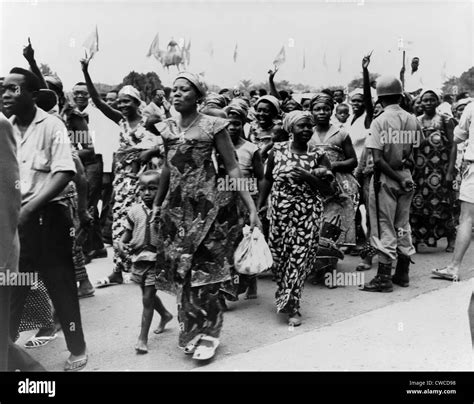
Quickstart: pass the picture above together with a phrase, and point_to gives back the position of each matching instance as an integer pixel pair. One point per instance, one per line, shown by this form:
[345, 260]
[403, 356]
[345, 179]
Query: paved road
[420, 327]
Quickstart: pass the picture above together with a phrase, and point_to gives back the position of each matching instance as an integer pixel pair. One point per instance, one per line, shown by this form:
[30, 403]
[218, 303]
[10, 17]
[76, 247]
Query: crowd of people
[376, 175]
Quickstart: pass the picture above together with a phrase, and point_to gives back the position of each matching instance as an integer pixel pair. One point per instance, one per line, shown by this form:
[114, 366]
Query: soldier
[392, 138]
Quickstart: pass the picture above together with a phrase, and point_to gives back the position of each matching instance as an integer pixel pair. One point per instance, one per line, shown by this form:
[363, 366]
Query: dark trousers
[94, 173]
[106, 212]
[46, 246]
[12, 357]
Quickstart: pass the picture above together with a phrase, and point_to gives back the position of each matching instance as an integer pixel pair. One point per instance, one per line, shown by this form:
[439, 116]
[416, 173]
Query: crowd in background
[108, 169]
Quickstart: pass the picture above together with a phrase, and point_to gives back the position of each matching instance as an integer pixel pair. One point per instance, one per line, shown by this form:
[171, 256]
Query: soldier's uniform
[395, 133]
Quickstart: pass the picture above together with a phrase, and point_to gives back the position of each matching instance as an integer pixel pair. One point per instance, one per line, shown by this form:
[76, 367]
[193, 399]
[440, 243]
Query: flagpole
[403, 77]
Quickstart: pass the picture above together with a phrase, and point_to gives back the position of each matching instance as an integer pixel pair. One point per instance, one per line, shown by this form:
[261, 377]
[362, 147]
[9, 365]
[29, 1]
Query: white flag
[280, 58]
[154, 47]
[91, 44]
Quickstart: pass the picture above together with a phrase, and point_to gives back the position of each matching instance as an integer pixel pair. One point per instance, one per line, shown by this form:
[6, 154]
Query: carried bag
[252, 256]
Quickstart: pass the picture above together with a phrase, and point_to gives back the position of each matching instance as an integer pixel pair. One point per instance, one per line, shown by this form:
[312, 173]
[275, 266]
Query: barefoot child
[138, 241]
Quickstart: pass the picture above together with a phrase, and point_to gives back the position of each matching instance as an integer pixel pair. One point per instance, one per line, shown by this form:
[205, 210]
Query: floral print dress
[294, 230]
[199, 229]
[431, 215]
[127, 169]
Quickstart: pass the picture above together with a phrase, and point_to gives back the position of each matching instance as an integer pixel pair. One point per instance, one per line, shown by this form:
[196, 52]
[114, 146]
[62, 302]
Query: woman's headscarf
[131, 92]
[195, 80]
[429, 90]
[323, 98]
[271, 100]
[293, 117]
[357, 91]
[462, 101]
[292, 100]
[238, 108]
[215, 101]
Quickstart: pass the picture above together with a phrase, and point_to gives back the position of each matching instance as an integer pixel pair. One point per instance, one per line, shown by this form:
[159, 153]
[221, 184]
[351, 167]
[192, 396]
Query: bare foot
[141, 347]
[164, 320]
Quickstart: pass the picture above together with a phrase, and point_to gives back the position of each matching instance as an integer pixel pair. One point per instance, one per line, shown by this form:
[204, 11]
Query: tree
[46, 70]
[145, 83]
[358, 82]
[465, 82]
[104, 88]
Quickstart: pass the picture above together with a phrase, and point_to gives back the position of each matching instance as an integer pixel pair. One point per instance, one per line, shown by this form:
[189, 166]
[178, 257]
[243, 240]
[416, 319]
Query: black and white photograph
[220, 186]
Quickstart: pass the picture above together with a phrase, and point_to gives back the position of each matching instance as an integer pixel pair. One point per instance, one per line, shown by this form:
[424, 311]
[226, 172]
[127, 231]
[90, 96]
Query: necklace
[184, 130]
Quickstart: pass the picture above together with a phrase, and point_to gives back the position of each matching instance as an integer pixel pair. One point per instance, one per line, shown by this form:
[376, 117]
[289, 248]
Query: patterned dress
[431, 215]
[127, 169]
[199, 229]
[345, 203]
[295, 218]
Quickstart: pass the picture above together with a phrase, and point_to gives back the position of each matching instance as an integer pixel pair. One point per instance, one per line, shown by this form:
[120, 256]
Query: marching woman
[431, 215]
[251, 166]
[266, 129]
[137, 147]
[339, 211]
[298, 177]
[199, 224]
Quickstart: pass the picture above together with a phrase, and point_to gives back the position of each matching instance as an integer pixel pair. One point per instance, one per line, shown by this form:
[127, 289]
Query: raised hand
[366, 60]
[273, 72]
[85, 63]
[29, 52]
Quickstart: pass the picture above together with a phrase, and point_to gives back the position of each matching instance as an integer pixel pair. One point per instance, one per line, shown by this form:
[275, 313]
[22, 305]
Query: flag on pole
[444, 76]
[339, 69]
[304, 59]
[400, 43]
[154, 47]
[235, 53]
[187, 52]
[91, 44]
[280, 58]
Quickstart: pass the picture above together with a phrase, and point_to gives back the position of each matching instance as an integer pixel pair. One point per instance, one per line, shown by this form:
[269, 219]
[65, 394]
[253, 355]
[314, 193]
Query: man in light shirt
[158, 106]
[464, 131]
[45, 222]
[413, 81]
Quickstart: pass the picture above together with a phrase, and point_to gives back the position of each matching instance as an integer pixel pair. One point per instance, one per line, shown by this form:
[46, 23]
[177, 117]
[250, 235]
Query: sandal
[75, 366]
[363, 267]
[449, 249]
[445, 273]
[192, 345]
[206, 348]
[105, 282]
[293, 320]
[83, 294]
[36, 342]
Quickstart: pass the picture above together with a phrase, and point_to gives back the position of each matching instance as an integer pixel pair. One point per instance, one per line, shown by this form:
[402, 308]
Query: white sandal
[446, 273]
[206, 352]
[36, 342]
[192, 345]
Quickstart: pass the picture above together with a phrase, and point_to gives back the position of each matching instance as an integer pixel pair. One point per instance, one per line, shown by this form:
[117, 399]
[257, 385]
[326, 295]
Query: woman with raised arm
[358, 131]
[199, 223]
[137, 147]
